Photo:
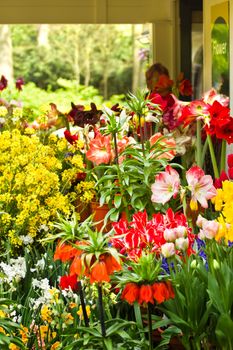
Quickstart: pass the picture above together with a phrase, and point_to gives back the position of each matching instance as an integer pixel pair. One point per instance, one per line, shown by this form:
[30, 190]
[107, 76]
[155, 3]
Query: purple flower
[19, 83]
[3, 83]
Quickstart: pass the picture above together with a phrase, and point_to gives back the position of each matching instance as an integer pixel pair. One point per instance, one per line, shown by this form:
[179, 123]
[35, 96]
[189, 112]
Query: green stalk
[138, 316]
[149, 326]
[116, 149]
[101, 310]
[198, 144]
[223, 156]
[141, 136]
[213, 158]
[125, 203]
[119, 176]
[85, 317]
[204, 149]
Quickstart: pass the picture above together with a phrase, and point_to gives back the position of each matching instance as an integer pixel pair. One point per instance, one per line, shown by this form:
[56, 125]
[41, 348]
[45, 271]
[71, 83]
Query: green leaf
[224, 329]
[108, 343]
[117, 201]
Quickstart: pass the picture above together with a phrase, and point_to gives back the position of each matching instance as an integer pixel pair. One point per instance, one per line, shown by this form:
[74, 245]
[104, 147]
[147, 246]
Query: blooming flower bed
[159, 267]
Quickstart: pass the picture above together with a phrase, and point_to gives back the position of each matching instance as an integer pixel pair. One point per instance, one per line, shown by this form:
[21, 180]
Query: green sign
[220, 49]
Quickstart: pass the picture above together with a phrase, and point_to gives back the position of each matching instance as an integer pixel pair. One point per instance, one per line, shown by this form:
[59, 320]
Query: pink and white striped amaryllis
[166, 185]
[201, 187]
[100, 151]
[141, 234]
[212, 95]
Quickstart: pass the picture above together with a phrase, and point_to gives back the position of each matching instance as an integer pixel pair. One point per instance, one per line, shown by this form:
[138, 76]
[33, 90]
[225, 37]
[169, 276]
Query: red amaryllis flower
[100, 150]
[163, 83]
[224, 129]
[19, 83]
[219, 115]
[146, 294]
[230, 160]
[230, 172]
[218, 182]
[130, 293]
[157, 99]
[65, 252]
[185, 88]
[99, 273]
[3, 83]
[69, 281]
[70, 138]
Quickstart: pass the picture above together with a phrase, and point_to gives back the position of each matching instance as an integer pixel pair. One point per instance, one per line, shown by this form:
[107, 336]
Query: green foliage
[120, 334]
[203, 305]
[36, 101]
[87, 53]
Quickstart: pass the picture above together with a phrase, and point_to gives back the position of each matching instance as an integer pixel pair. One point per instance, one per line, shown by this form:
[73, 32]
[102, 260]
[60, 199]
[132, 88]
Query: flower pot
[84, 210]
[99, 213]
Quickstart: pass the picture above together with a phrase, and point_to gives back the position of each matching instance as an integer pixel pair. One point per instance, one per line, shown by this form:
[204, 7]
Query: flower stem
[198, 144]
[116, 149]
[101, 310]
[86, 320]
[223, 156]
[125, 203]
[213, 158]
[149, 326]
[204, 149]
[141, 135]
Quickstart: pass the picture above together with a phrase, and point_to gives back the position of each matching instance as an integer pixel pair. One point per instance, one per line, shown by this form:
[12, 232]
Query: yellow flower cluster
[86, 191]
[223, 203]
[32, 182]
[3, 111]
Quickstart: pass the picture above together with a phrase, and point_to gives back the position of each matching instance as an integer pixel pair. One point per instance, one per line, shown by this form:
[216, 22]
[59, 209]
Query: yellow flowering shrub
[86, 191]
[35, 183]
[223, 204]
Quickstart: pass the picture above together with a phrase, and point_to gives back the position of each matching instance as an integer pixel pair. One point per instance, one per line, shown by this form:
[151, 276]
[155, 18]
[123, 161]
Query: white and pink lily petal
[201, 186]
[212, 95]
[166, 185]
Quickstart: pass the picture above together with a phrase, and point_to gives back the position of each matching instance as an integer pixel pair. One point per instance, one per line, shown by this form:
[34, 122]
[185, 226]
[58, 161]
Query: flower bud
[201, 235]
[168, 250]
[199, 221]
[182, 243]
[216, 265]
[181, 231]
[169, 234]
[210, 228]
[194, 264]
[193, 205]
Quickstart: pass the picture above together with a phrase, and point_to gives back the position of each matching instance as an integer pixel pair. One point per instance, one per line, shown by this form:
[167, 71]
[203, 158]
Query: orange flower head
[160, 292]
[130, 293]
[78, 267]
[111, 264]
[146, 294]
[99, 272]
[170, 289]
[65, 252]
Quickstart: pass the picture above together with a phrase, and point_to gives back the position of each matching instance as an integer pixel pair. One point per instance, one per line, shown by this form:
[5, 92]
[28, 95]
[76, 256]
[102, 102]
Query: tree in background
[6, 61]
[92, 54]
